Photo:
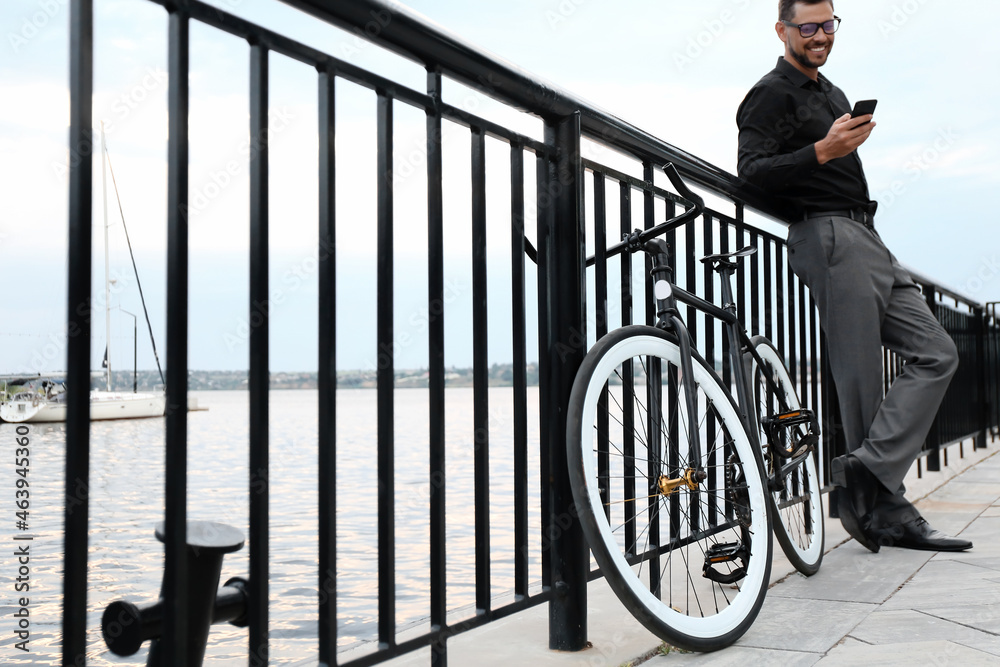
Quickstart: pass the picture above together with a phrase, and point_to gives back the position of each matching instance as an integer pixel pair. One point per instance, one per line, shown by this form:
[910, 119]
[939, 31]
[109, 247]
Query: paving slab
[907, 654]
[851, 573]
[969, 494]
[814, 626]
[898, 627]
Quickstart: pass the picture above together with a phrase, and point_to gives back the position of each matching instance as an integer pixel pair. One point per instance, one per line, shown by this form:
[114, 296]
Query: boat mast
[107, 263]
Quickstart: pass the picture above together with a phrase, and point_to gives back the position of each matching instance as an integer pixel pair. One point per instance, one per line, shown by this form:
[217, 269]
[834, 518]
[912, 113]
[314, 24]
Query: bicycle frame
[669, 318]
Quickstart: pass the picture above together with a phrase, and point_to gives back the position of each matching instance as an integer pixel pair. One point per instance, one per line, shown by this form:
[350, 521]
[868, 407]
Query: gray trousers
[866, 300]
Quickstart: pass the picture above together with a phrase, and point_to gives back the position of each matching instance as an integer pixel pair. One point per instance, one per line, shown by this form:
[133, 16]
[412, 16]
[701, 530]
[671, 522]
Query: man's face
[808, 53]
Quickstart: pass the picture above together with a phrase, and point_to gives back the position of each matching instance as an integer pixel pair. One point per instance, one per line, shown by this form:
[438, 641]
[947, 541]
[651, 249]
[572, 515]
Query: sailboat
[44, 399]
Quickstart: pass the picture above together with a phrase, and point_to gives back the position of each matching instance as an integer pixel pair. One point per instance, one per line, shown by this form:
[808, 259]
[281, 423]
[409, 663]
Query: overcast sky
[676, 69]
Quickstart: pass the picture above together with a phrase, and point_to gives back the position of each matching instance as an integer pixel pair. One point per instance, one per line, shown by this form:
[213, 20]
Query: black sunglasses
[809, 29]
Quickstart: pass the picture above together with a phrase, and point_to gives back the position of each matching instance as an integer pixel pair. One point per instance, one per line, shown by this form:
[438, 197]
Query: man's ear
[780, 28]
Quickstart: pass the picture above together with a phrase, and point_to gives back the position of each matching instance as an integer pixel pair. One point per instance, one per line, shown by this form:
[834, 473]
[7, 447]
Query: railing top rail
[413, 36]
[417, 38]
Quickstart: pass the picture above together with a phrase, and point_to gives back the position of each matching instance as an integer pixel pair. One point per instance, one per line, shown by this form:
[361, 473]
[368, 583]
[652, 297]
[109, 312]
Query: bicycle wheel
[689, 555]
[797, 501]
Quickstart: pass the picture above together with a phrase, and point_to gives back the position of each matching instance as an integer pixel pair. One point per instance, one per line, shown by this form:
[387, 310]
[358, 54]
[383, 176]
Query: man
[799, 142]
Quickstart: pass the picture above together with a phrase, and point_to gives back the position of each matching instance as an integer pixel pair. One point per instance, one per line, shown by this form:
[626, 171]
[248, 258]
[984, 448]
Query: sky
[676, 69]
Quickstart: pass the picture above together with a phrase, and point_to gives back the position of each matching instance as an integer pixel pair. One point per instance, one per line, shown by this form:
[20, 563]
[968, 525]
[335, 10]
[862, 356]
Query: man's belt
[861, 215]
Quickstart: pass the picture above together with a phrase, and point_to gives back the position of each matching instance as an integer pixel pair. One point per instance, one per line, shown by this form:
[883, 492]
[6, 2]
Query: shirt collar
[793, 74]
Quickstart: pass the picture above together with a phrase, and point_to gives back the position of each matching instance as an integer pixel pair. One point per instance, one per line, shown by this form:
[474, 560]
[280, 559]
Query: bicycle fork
[668, 318]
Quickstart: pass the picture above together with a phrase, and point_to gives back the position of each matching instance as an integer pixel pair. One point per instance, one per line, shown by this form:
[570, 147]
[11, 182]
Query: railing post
[563, 342]
[80, 232]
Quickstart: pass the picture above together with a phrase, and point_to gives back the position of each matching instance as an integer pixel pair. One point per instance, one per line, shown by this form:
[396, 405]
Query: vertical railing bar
[709, 289]
[625, 217]
[741, 281]
[435, 363]
[601, 328]
[175, 576]
[601, 262]
[520, 358]
[327, 370]
[790, 311]
[754, 325]
[803, 377]
[779, 297]
[768, 292]
[385, 379]
[543, 222]
[480, 373]
[258, 379]
[648, 221]
[79, 268]
[690, 275]
[814, 365]
[727, 369]
[628, 380]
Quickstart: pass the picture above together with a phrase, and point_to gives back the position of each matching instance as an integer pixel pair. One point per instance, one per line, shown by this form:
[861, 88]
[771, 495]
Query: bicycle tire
[657, 567]
[797, 506]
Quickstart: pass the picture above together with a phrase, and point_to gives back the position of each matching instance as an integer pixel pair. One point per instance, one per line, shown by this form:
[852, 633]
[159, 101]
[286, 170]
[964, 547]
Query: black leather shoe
[856, 498]
[918, 534]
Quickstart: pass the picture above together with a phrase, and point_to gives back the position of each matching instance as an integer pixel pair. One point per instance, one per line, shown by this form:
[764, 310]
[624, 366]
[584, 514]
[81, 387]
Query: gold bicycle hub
[691, 478]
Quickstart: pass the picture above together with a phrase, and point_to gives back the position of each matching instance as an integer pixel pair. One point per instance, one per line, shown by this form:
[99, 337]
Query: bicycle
[677, 484]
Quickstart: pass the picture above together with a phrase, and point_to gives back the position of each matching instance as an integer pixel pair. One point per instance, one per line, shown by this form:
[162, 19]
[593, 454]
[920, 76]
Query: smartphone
[862, 107]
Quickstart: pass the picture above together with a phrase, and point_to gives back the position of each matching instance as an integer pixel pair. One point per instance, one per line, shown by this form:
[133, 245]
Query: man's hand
[845, 135]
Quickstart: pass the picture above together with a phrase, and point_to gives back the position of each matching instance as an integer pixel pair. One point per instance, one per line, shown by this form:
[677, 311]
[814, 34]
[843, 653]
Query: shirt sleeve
[764, 158]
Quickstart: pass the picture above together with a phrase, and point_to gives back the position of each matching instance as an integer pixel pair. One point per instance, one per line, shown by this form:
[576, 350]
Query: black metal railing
[572, 303]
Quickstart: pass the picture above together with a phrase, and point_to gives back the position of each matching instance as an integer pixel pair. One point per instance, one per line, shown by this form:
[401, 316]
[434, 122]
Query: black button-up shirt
[780, 120]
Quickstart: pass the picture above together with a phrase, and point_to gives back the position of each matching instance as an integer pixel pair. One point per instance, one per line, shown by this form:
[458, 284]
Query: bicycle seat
[728, 258]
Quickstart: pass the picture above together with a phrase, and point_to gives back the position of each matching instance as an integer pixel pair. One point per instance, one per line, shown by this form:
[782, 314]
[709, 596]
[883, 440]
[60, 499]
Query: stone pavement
[897, 607]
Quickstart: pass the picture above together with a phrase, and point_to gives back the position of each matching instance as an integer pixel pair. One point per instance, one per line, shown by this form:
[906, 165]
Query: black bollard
[126, 626]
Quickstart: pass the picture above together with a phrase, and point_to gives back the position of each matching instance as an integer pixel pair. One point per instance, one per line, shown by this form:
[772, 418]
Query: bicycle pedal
[725, 553]
[790, 418]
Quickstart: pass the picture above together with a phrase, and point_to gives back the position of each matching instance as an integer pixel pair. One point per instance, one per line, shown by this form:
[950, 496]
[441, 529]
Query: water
[126, 501]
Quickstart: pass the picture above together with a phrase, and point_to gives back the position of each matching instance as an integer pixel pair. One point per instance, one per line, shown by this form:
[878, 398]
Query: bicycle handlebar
[637, 239]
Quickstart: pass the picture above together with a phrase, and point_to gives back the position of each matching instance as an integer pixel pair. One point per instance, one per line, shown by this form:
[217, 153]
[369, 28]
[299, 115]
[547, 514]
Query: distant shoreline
[499, 375]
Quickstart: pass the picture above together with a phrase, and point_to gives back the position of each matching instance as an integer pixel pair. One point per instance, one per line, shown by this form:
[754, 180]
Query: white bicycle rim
[743, 604]
[814, 550]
